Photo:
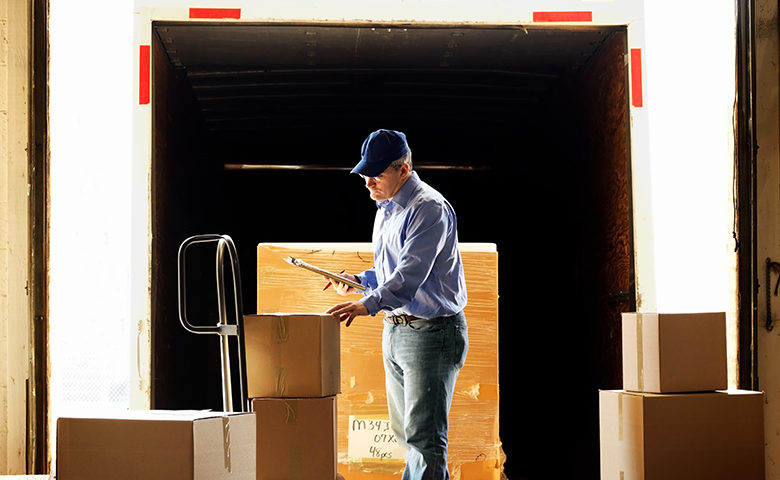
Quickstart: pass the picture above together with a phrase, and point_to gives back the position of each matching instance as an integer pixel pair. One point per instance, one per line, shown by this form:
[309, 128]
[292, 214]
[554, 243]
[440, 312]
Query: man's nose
[370, 182]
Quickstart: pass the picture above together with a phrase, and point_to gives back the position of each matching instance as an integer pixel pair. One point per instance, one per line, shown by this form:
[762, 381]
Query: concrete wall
[14, 306]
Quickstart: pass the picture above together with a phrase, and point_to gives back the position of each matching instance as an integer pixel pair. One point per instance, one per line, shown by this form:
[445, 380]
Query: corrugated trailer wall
[185, 367]
[611, 253]
[605, 254]
[599, 283]
[568, 336]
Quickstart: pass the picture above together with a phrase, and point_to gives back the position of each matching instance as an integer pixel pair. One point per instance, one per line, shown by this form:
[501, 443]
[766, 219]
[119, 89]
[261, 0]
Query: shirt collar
[404, 193]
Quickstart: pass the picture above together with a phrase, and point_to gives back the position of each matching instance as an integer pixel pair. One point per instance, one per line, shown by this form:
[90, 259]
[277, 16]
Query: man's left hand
[348, 311]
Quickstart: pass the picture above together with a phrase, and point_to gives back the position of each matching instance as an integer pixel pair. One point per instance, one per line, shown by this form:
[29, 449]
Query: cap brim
[363, 168]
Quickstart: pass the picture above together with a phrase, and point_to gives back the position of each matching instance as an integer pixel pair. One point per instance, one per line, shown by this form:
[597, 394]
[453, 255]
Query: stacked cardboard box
[293, 377]
[365, 449]
[674, 418]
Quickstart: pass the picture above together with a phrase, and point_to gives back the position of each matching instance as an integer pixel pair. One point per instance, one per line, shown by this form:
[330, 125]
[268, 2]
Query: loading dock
[104, 216]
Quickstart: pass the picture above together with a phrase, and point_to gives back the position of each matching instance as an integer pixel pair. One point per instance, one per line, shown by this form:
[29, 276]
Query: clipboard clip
[293, 261]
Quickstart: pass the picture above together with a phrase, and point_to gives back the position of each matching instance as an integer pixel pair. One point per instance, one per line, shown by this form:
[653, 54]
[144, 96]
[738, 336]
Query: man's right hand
[347, 311]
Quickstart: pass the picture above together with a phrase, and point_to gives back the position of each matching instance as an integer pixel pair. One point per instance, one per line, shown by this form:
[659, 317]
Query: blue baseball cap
[380, 149]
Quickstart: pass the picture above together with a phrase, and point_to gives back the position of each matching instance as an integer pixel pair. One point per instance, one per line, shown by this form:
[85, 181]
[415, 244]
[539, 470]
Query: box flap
[225, 447]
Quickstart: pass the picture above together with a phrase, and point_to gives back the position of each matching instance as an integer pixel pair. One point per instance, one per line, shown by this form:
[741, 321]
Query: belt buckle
[399, 319]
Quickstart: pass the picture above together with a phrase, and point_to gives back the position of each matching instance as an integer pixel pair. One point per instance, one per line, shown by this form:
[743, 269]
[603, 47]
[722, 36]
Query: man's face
[387, 183]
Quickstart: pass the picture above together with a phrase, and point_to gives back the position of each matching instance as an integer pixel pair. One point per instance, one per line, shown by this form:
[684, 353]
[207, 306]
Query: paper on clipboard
[331, 275]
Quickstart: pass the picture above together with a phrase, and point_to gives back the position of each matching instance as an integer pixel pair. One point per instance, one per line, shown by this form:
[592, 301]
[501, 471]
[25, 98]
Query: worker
[417, 282]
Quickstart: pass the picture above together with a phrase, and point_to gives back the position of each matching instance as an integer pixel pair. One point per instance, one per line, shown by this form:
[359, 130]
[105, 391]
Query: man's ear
[405, 170]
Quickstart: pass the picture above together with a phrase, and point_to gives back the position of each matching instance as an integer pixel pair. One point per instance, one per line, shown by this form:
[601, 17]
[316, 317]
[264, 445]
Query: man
[417, 282]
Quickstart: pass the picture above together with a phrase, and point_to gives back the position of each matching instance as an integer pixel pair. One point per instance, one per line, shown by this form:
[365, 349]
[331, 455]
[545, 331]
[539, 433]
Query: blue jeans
[422, 360]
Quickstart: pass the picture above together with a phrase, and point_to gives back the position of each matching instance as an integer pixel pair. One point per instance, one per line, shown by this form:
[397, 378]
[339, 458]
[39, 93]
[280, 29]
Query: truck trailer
[527, 120]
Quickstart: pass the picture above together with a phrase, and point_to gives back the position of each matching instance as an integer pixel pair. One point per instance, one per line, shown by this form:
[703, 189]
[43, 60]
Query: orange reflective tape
[563, 16]
[215, 13]
[144, 72]
[636, 77]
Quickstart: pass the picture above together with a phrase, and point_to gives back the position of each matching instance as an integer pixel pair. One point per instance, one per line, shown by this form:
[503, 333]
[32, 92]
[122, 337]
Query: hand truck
[224, 329]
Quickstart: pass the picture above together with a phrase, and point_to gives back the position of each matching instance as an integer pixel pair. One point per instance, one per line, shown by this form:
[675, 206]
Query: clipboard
[331, 275]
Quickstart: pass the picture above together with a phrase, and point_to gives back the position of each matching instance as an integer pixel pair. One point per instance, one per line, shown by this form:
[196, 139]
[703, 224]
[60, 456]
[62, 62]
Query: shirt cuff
[371, 303]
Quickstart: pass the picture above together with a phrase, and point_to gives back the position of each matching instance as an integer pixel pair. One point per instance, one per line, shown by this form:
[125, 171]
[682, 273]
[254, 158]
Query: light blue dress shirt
[417, 264]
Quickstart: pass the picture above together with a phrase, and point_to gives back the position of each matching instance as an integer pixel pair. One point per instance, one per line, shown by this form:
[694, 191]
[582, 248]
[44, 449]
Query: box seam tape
[282, 329]
[290, 413]
[282, 336]
[226, 442]
[620, 417]
[640, 371]
[281, 380]
[620, 426]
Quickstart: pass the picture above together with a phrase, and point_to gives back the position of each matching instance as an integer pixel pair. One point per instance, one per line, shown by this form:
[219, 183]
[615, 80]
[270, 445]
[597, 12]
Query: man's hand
[348, 311]
[339, 287]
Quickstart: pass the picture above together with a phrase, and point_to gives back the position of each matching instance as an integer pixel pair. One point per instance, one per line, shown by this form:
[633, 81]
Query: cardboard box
[296, 438]
[674, 353]
[475, 451]
[712, 435]
[157, 445]
[292, 355]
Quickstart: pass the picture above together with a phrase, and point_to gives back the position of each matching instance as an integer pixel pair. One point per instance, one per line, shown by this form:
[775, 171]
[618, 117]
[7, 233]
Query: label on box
[370, 439]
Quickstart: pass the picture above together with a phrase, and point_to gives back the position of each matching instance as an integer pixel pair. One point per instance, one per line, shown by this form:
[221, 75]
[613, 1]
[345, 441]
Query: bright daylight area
[92, 339]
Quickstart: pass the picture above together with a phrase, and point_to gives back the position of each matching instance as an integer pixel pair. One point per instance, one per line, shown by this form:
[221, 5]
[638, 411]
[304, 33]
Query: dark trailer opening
[523, 128]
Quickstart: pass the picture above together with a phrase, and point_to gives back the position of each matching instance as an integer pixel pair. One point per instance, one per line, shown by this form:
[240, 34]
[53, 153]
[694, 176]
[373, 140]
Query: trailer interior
[523, 128]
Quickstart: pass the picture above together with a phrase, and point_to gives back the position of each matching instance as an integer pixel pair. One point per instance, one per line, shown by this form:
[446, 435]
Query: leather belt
[401, 319]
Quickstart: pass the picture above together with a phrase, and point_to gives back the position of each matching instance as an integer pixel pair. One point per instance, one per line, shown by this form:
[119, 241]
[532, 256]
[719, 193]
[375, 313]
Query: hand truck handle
[223, 242]
[223, 329]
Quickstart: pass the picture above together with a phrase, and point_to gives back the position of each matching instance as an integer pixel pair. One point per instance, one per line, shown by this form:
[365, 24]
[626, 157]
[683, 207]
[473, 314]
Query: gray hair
[407, 158]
